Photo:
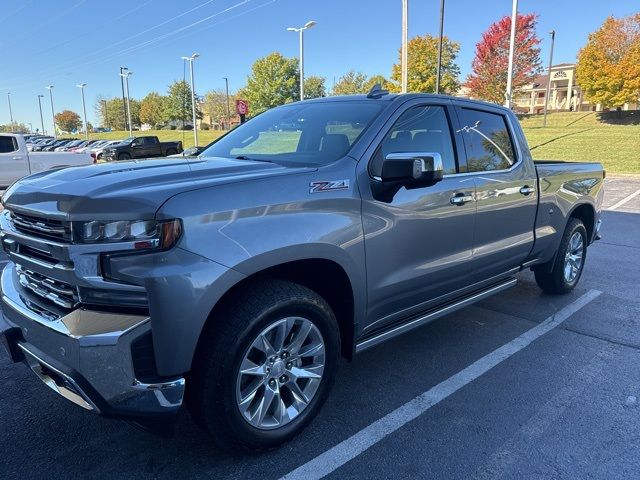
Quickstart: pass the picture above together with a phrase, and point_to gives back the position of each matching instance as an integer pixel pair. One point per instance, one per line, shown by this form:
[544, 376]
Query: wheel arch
[586, 213]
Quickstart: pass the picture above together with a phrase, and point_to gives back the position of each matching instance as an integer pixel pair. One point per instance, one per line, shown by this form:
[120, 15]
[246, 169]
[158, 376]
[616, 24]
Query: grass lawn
[577, 136]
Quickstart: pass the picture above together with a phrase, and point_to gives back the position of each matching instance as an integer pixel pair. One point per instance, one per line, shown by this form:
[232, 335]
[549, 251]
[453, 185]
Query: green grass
[589, 137]
[577, 136]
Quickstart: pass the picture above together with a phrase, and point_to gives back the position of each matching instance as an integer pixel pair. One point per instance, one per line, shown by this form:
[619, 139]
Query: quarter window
[8, 144]
[486, 140]
[419, 129]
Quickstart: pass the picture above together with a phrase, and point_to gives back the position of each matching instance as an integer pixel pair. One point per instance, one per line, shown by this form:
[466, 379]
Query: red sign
[242, 107]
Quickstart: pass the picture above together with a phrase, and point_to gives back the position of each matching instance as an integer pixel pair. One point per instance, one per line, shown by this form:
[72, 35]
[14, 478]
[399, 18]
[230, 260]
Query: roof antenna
[377, 91]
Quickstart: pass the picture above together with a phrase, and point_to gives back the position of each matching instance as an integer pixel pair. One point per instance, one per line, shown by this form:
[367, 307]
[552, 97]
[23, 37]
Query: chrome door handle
[460, 199]
[527, 190]
[17, 158]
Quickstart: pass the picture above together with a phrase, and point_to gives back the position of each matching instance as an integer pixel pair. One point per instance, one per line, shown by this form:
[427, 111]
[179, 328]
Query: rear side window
[419, 129]
[486, 140]
[8, 144]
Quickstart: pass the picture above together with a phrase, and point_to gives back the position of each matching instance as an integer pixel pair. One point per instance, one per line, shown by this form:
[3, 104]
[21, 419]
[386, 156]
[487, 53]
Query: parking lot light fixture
[300, 31]
[40, 97]
[193, 96]
[126, 76]
[53, 115]
[10, 111]
[84, 110]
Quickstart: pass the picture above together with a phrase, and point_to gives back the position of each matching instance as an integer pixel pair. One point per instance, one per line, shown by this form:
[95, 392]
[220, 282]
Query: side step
[418, 322]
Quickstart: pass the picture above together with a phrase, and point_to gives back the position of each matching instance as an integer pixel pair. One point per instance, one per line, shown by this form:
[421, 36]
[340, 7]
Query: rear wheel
[569, 262]
[171, 151]
[124, 156]
[265, 368]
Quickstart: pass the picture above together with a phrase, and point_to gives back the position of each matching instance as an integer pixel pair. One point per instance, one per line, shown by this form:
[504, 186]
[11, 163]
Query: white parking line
[353, 446]
[624, 200]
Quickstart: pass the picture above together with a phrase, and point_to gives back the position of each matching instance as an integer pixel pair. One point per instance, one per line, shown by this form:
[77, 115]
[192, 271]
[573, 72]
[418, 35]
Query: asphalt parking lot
[522, 385]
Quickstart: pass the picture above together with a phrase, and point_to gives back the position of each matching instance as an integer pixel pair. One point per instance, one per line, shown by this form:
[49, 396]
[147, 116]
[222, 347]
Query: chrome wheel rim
[280, 373]
[574, 257]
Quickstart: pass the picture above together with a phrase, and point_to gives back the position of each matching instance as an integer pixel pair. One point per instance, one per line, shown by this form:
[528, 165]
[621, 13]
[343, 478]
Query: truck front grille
[60, 293]
[42, 227]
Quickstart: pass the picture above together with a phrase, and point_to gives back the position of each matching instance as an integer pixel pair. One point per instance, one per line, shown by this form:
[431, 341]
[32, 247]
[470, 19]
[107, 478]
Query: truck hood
[128, 190]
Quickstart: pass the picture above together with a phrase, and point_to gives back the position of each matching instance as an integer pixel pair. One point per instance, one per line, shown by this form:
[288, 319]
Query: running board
[418, 322]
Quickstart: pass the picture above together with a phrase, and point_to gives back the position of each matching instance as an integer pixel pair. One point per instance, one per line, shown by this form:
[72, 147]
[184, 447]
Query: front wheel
[569, 262]
[265, 368]
[124, 156]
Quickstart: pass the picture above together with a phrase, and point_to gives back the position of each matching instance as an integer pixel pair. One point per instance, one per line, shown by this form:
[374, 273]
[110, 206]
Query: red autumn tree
[488, 81]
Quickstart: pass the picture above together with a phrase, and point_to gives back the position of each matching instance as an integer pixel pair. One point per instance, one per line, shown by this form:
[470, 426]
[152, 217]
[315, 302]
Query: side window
[486, 140]
[419, 129]
[8, 144]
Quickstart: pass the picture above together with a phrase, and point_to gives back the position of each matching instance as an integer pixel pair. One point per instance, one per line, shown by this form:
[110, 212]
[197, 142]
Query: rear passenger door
[14, 163]
[505, 183]
[418, 241]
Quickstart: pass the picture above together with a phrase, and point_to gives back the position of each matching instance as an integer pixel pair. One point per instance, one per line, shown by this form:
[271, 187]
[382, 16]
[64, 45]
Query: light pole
[512, 47]
[41, 119]
[84, 110]
[53, 115]
[10, 111]
[548, 92]
[226, 83]
[405, 47]
[106, 114]
[439, 68]
[193, 95]
[128, 103]
[300, 31]
[124, 101]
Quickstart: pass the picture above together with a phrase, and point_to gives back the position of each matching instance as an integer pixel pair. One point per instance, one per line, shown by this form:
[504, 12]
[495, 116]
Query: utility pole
[548, 92]
[300, 31]
[84, 110]
[512, 47]
[106, 114]
[10, 111]
[53, 115]
[405, 46]
[41, 119]
[128, 104]
[193, 96]
[438, 74]
[124, 101]
[226, 83]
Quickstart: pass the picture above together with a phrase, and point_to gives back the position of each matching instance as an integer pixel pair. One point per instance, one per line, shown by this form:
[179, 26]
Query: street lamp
[226, 82]
[301, 30]
[128, 103]
[512, 48]
[193, 95]
[53, 115]
[10, 111]
[548, 92]
[124, 101]
[404, 51]
[41, 119]
[84, 110]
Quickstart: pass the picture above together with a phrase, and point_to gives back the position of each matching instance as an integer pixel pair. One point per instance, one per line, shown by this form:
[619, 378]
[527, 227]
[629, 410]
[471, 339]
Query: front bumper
[86, 356]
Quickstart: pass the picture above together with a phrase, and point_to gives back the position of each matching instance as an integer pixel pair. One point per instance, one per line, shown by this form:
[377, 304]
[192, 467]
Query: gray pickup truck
[233, 282]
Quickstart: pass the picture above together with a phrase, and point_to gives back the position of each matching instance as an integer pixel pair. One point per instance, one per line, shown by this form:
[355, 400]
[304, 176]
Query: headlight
[144, 233]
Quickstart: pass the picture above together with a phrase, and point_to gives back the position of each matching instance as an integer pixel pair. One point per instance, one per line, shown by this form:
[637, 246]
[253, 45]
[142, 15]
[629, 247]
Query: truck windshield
[306, 133]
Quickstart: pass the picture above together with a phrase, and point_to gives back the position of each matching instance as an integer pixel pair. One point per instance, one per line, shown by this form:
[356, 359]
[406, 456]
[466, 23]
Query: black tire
[171, 151]
[211, 385]
[124, 156]
[553, 280]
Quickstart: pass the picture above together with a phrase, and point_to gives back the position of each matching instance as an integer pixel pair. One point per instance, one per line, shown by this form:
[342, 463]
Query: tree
[422, 66]
[215, 105]
[14, 127]
[314, 87]
[488, 79]
[608, 69]
[152, 109]
[273, 81]
[67, 121]
[178, 102]
[351, 83]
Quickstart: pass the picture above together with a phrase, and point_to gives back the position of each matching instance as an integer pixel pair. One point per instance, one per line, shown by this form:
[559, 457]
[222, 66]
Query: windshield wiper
[244, 157]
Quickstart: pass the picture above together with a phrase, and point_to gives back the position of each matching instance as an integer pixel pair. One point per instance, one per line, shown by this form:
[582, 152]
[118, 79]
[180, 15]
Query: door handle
[461, 199]
[17, 158]
[527, 190]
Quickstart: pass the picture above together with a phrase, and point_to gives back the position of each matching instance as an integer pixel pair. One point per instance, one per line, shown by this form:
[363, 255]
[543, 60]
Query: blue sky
[65, 42]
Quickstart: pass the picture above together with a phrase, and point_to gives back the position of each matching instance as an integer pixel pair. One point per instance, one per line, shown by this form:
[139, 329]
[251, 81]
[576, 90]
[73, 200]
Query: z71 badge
[328, 186]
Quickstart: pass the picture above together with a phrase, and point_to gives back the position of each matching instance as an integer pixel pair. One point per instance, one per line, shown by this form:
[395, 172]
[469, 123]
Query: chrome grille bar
[60, 293]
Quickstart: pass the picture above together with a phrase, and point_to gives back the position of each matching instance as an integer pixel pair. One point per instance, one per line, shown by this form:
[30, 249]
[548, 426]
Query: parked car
[98, 151]
[242, 276]
[37, 147]
[67, 146]
[16, 161]
[57, 144]
[141, 147]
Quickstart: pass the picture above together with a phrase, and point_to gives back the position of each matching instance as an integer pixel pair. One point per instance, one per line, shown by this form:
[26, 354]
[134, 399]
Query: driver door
[418, 241]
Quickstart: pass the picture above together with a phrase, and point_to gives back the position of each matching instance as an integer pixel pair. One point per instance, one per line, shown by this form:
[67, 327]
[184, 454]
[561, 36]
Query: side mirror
[413, 169]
